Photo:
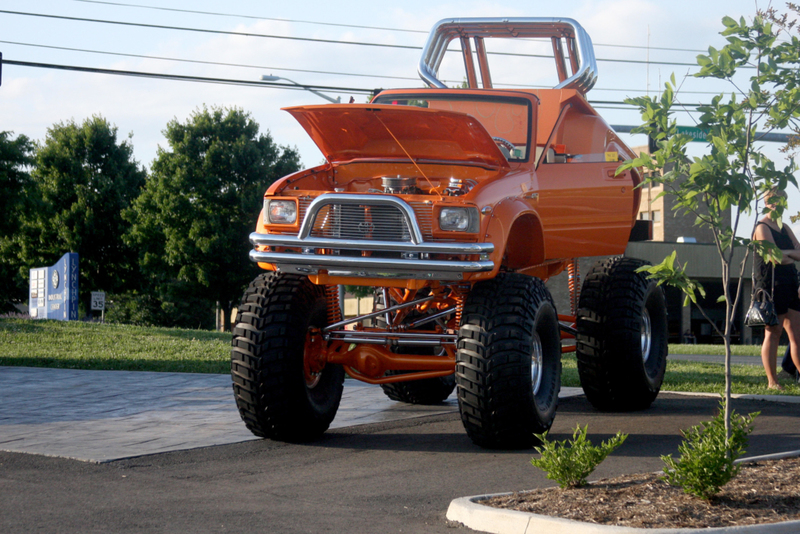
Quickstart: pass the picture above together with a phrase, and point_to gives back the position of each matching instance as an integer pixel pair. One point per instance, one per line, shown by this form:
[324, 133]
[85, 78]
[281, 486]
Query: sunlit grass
[698, 377]
[76, 345]
[736, 350]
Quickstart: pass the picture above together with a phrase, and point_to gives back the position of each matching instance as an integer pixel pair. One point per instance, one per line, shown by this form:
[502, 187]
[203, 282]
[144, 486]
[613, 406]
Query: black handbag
[762, 309]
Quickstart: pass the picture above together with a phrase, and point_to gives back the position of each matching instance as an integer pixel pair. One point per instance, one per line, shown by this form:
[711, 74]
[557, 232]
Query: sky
[312, 42]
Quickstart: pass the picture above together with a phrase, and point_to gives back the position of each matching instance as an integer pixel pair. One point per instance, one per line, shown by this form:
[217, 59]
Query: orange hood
[346, 132]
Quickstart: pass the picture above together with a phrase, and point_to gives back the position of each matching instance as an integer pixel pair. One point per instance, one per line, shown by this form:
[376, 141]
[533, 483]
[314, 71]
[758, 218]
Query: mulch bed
[762, 492]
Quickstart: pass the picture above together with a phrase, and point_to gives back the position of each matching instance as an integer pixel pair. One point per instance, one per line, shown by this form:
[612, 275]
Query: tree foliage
[16, 156]
[82, 181]
[192, 221]
[735, 173]
[788, 23]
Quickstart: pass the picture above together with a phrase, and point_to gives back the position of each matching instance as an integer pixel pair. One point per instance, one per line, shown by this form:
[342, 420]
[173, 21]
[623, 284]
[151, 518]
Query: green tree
[16, 156]
[191, 223]
[83, 179]
[789, 22]
[735, 174]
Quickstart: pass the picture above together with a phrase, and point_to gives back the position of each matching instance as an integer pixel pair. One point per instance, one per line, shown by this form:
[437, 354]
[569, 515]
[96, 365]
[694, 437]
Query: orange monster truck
[455, 205]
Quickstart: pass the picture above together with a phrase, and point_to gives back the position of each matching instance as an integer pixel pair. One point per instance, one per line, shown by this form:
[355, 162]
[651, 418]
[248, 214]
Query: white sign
[98, 300]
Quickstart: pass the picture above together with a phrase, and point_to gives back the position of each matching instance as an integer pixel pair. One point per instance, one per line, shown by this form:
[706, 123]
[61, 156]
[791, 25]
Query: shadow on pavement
[652, 433]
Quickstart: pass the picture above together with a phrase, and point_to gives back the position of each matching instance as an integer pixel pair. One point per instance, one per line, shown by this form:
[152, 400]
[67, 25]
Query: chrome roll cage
[571, 45]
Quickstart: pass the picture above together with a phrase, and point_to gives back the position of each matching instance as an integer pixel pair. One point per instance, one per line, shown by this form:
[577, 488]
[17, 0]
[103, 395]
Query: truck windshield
[507, 120]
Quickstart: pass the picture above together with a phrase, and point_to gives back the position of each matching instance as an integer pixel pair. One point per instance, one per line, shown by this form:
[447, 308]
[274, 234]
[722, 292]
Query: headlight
[459, 219]
[280, 211]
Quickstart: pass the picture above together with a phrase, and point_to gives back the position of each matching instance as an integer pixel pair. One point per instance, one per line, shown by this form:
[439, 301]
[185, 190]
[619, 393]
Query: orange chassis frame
[370, 362]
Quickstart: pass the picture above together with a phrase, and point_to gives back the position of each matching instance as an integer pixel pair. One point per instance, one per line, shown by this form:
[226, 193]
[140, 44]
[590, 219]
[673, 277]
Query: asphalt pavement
[113, 451]
[100, 416]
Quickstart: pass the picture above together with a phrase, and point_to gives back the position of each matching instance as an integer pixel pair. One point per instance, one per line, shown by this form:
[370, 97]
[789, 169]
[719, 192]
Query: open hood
[346, 132]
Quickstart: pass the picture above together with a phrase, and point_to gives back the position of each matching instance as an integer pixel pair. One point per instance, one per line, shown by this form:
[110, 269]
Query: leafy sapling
[569, 462]
[706, 461]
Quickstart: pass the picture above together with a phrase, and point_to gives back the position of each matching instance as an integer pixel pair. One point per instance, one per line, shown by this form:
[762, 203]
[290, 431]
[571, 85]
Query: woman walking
[785, 295]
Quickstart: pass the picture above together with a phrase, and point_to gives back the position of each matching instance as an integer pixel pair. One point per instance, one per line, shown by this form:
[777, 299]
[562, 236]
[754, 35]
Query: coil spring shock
[334, 305]
[574, 285]
[459, 294]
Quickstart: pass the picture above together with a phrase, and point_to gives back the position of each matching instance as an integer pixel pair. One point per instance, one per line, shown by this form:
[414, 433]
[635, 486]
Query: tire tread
[266, 369]
[493, 366]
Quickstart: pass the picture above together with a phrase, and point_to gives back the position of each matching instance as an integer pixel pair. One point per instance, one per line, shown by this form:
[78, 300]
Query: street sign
[98, 301]
[695, 133]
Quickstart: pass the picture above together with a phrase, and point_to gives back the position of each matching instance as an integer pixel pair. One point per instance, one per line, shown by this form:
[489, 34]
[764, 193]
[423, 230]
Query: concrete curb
[472, 514]
[790, 399]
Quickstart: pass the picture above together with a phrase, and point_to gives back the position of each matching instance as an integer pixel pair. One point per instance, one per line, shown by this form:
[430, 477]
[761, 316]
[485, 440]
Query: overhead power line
[608, 60]
[183, 78]
[272, 68]
[287, 69]
[250, 83]
[614, 103]
[205, 30]
[339, 25]
[660, 48]
[252, 17]
[205, 62]
[304, 39]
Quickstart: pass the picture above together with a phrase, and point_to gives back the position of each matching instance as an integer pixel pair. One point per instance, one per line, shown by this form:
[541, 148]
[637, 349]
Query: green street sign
[695, 133]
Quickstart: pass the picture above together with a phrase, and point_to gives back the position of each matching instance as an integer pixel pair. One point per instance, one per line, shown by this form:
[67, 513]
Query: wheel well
[525, 243]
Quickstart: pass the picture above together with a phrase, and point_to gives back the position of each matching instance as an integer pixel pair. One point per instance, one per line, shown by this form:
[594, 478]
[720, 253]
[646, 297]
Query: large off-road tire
[277, 395]
[427, 391]
[622, 336]
[508, 367]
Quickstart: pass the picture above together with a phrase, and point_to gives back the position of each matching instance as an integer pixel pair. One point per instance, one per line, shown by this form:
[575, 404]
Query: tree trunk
[729, 311]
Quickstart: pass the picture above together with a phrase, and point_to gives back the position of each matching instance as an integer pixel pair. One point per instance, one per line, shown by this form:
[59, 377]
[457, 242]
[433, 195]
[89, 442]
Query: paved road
[397, 474]
[110, 415]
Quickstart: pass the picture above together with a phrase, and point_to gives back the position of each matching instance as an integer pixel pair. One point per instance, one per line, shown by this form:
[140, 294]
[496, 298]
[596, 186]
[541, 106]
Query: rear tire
[426, 391]
[273, 344]
[622, 336]
[508, 367]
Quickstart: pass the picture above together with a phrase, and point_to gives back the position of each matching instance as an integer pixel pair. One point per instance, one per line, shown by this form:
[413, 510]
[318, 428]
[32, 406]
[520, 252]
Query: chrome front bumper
[411, 257]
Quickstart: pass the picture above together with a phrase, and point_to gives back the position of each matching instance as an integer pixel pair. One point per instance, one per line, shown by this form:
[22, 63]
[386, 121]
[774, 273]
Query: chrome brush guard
[367, 236]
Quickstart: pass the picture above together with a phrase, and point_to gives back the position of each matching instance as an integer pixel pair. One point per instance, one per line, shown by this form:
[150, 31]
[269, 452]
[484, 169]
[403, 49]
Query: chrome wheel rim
[647, 335]
[537, 364]
[313, 380]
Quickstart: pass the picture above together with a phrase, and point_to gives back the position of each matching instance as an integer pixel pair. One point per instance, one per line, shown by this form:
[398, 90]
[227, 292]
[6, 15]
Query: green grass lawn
[736, 350]
[697, 377]
[75, 345]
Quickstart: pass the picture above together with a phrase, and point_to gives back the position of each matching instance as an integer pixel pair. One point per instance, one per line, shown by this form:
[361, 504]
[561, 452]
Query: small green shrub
[706, 460]
[134, 309]
[569, 462]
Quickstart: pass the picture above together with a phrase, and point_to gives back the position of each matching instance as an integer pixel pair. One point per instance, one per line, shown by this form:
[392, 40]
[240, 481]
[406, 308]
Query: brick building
[669, 225]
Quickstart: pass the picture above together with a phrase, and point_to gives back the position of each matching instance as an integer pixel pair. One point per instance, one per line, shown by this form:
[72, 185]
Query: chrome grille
[302, 205]
[423, 211]
[361, 222]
